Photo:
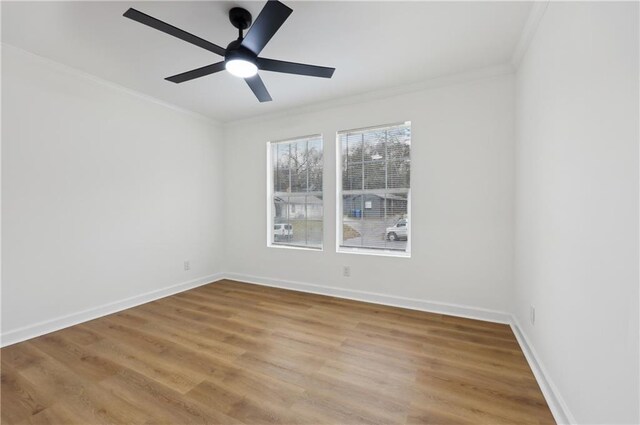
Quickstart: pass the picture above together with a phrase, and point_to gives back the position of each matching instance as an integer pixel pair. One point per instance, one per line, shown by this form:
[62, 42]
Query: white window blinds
[295, 192]
[374, 188]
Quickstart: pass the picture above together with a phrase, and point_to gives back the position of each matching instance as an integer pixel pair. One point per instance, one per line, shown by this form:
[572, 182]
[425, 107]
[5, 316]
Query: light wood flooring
[230, 353]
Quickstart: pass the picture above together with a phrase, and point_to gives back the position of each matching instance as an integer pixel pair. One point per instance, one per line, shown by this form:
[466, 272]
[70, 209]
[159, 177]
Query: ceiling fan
[241, 55]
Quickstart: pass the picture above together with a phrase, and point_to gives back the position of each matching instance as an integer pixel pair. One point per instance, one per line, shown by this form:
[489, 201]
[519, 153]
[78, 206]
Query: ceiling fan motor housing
[235, 51]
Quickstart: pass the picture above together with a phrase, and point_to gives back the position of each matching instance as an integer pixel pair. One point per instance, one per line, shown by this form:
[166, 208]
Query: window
[295, 193]
[374, 190]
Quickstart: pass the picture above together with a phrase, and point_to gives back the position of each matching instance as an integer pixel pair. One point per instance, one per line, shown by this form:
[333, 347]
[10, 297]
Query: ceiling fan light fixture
[241, 68]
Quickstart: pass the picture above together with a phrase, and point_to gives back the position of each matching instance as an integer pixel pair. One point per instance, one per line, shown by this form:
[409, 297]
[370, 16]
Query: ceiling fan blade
[294, 68]
[145, 19]
[265, 26]
[258, 88]
[196, 73]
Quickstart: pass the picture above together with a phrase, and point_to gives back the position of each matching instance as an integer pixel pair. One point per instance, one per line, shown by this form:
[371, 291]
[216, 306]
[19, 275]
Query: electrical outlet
[346, 271]
[532, 315]
[187, 265]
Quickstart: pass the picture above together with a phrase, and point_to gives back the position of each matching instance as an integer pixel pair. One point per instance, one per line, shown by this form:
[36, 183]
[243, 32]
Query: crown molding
[528, 31]
[429, 84]
[105, 83]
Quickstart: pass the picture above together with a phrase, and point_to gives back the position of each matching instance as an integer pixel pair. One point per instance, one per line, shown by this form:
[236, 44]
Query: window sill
[295, 247]
[373, 252]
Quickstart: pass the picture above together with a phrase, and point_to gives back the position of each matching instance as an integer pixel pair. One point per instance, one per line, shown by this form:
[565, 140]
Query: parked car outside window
[282, 231]
[398, 231]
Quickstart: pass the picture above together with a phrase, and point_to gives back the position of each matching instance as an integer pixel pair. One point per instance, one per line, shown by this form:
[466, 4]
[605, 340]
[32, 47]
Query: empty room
[320, 212]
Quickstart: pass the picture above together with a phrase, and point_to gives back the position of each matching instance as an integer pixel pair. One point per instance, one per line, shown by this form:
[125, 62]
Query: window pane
[281, 168]
[399, 143]
[314, 165]
[374, 145]
[376, 173]
[305, 216]
[280, 210]
[298, 167]
[353, 147]
[375, 221]
[398, 173]
[352, 176]
[308, 233]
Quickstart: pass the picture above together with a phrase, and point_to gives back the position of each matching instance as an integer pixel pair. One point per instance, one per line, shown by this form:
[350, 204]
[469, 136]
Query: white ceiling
[372, 45]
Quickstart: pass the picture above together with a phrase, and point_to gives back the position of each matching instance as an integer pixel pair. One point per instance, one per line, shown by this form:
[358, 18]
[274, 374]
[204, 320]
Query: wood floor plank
[21, 398]
[59, 413]
[354, 394]
[236, 353]
[162, 401]
[162, 371]
[89, 364]
[21, 356]
[78, 335]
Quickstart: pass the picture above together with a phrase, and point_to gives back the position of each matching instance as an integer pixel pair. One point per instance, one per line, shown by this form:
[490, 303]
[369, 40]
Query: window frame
[271, 193]
[340, 207]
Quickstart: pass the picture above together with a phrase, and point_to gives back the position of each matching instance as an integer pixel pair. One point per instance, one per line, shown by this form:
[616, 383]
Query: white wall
[577, 206]
[462, 197]
[104, 194]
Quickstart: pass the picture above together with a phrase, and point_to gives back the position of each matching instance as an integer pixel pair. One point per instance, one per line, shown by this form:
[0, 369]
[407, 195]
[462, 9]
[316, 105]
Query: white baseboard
[48, 326]
[558, 406]
[377, 298]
